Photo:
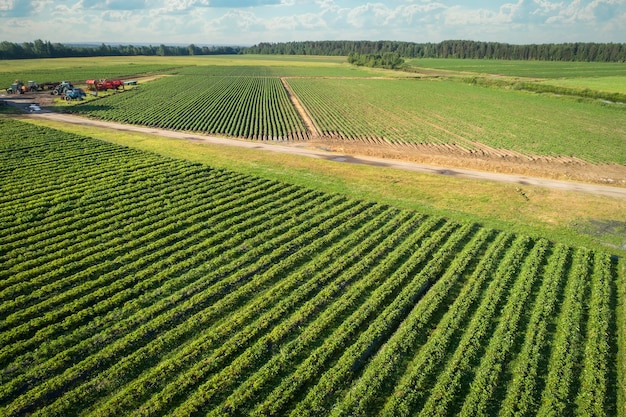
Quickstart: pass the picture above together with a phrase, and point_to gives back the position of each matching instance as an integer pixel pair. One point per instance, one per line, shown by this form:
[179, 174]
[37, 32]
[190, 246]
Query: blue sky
[247, 22]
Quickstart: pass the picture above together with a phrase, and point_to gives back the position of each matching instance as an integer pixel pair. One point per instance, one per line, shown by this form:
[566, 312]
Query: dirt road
[304, 149]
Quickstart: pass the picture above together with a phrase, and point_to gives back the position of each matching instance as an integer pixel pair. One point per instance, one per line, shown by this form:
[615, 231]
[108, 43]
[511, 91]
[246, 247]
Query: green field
[284, 70]
[602, 77]
[530, 69]
[242, 106]
[78, 70]
[384, 109]
[214, 281]
[134, 284]
[356, 103]
[424, 111]
[609, 84]
[585, 221]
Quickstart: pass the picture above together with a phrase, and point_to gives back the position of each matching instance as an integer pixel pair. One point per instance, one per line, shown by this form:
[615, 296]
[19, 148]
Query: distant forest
[45, 49]
[580, 51]
[598, 52]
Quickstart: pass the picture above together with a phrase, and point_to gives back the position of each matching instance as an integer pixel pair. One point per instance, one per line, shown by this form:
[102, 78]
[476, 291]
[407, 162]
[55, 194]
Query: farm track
[306, 118]
[353, 153]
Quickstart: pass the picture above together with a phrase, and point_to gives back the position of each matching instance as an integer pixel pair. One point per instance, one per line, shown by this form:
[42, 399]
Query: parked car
[33, 107]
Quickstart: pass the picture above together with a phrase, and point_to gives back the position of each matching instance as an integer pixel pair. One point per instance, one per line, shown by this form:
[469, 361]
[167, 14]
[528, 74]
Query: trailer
[49, 86]
[104, 85]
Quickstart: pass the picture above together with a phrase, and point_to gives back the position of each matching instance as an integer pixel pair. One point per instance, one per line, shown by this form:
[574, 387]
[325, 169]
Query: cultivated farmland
[472, 118]
[247, 107]
[406, 114]
[133, 284]
[530, 69]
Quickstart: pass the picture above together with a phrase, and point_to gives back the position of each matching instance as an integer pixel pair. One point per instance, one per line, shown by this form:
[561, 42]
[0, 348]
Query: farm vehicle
[33, 86]
[104, 85]
[74, 94]
[48, 86]
[61, 88]
[18, 87]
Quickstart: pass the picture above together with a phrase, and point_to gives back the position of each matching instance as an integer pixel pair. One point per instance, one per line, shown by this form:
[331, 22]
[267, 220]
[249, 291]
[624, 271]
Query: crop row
[206, 292]
[366, 117]
[248, 107]
[446, 113]
[250, 102]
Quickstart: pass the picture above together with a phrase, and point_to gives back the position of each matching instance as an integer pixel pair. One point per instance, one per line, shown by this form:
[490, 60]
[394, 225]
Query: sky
[248, 22]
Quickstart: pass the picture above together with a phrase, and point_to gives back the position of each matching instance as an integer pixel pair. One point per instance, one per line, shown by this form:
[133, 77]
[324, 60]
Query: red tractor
[103, 85]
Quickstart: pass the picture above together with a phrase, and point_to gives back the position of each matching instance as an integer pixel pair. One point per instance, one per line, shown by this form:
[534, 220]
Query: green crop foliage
[135, 284]
[242, 96]
[448, 112]
[609, 84]
[532, 69]
[276, 70]
[219, 100]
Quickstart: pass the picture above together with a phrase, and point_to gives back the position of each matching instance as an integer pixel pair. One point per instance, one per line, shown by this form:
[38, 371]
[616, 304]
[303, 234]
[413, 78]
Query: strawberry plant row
[133, 284]
[243, 106]
[154, 276]
[254, 317]
[365, 391]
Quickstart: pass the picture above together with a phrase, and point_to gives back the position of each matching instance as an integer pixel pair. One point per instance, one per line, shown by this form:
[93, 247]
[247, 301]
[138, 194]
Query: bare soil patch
[306, 118]
[483, 159]
[42, 98]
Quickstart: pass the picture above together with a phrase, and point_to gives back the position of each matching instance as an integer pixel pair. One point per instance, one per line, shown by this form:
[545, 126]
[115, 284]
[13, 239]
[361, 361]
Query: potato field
[134, 284]
[251, 102]
[247, 107]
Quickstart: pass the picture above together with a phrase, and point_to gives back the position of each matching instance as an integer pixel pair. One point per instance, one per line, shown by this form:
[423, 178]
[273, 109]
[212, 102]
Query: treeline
[580, 51]
[46, 49]
[389, 60]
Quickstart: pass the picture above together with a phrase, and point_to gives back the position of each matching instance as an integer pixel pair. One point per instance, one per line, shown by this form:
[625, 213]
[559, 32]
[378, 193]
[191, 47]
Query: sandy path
[300, 149]
[306, 118]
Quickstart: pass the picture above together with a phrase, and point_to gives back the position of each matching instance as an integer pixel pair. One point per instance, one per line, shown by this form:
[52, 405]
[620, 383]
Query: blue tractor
[75, 94]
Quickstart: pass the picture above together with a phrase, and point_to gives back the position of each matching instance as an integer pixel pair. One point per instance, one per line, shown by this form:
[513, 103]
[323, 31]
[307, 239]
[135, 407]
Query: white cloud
[65, 10]
[118, 16]
[246, 3]
[459, 15]
[39, 6]
[544, 6]
[113, 4]
[240, 19]
[580, 11]
[312, 21]
[252, 21]
[285, 23]
[368, 15]
[7, 5]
